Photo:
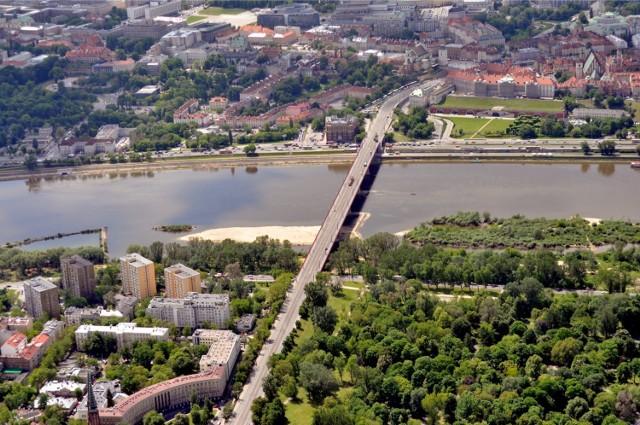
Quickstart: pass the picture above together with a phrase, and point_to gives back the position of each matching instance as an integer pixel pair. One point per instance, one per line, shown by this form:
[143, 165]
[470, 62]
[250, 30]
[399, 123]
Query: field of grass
[636, 105]
[490, 102]
[299, 412]
[195, 18]
[217, 11]
[478, 127]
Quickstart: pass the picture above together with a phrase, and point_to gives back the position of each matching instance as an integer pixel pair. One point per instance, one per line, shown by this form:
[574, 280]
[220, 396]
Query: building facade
[138, 276]
[341, 129]
[179, 280]
[41, 296]
[124, 333]
[78, 276]
[193, 311]
[224, 348]
[165, 396]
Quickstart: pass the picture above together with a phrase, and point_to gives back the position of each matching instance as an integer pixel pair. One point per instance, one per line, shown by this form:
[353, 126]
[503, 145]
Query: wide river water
[403, 195]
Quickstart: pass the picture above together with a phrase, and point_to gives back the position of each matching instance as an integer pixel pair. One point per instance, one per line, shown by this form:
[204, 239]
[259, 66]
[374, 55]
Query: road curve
[317, 255]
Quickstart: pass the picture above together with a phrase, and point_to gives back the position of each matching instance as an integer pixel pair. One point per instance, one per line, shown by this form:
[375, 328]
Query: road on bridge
[318, 254]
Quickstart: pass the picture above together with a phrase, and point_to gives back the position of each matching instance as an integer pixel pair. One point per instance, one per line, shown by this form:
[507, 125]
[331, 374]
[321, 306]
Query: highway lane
[318, 254]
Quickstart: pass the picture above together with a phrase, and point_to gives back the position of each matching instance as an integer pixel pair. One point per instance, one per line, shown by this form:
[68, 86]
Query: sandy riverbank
[297, 235]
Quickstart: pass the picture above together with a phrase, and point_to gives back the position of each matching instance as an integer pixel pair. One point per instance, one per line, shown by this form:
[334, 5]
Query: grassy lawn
[468, 125]
[217, 11]
[342, 303]
[636, 105]
[490, 102]
[478, 127]
[300, 412]
[195, 18]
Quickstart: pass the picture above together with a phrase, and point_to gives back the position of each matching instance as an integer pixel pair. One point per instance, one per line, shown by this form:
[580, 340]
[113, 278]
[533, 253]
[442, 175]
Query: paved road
[318, 254]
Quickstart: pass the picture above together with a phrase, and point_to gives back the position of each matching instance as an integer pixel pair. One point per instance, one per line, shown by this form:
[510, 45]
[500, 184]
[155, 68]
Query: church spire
[92, 404]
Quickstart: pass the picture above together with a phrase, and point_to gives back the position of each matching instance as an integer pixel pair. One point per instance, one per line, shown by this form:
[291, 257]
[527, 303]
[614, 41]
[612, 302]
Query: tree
[586, 148]
[31, 162]
[337, 415]
[153, 418]
[638, 150]
[318, 381]
[270, 386]
[109, 397]
[317, 294]
[565, 350]
[250, 149]
[607, 147]
[324, 318]
[181, 419]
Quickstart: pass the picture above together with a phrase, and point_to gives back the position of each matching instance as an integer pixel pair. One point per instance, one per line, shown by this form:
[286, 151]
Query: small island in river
[175, 228]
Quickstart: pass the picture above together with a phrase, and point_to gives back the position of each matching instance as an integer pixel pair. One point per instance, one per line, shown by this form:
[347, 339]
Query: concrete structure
[168, 395]
[609, 23]
[78, 276]
[224, 348]
[62, 388]
[182, 38]
[138, 276]
[126, 305]
[179, 280]
[41, 296]
[74, 316]
[582, 113]
[341, 129]
[294, 15]
[246, 323]
[124, 333]
[86, 146]
[194, 310]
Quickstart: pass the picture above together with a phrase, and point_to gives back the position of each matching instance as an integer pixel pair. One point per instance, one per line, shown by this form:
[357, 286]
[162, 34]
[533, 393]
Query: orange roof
[16, 339]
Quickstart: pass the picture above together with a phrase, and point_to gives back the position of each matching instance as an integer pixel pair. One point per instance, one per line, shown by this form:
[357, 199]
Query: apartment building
[341, 129]
[78, 276]
[194, 310]
[224, 348]
[138, 276]
[124, 333]
[41, 296]
[179, 280]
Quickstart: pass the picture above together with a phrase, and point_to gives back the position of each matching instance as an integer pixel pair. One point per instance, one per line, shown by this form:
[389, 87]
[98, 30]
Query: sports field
[491, 102]
[477, 127]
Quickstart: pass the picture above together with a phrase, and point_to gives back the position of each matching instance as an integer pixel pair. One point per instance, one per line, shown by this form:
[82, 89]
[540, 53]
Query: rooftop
[40, 284]
[121, 408]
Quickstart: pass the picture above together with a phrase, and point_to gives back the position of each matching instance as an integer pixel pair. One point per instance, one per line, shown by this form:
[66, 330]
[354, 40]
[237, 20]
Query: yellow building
[138, 276]
[180, 280]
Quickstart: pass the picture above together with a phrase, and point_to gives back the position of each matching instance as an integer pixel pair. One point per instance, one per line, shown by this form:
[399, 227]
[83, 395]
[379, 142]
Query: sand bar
[297, 235]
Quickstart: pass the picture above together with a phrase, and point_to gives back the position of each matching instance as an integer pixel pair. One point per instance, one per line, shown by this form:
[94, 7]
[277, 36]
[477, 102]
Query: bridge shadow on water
[359, 201]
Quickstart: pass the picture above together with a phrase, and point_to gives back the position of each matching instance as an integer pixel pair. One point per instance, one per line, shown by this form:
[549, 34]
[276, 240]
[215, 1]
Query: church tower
[92, 404]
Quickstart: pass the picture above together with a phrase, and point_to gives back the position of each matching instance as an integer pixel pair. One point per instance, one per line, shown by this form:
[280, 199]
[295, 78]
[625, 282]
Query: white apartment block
[224, 348]
[125, 333]
[179, 280]
[138, 276]
[194, 310]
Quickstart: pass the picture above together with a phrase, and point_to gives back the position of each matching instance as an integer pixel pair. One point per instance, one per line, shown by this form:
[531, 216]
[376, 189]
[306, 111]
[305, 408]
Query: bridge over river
[319, 251]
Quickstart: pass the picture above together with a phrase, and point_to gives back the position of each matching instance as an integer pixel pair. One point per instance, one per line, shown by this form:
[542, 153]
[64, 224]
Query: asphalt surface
[318, 254]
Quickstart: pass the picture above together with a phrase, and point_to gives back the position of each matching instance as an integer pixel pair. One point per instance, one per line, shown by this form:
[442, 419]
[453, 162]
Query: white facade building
[125, 333]
[194, 310]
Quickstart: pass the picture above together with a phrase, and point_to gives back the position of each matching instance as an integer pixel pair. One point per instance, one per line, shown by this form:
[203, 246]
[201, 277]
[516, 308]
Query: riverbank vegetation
[473, 230]
[16, 264]
[383, 256]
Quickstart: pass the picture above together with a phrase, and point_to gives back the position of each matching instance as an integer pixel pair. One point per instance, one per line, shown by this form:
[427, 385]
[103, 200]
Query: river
[403, 195]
